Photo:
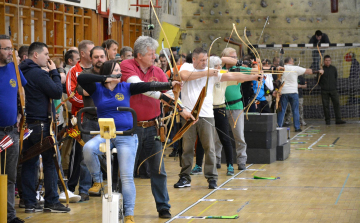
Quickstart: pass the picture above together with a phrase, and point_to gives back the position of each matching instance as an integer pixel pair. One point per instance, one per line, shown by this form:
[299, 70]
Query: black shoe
[212, 184]
[241, 167]
[164, 213]
[218, 166]
[84, 197]
[16, 220]
[21, 203]
[56, 208]
[183, 182]
[298, 130]
[327, 122]
[340, 122]
[33, 208]
[174, 153]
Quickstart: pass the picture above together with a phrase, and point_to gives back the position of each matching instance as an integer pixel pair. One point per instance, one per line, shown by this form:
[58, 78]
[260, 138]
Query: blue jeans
[148, 145]
[293, 99]
[126, 150]
[85, 181]
[29, 169]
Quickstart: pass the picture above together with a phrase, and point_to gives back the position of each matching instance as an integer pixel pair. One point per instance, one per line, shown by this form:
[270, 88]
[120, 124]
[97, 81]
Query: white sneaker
[73, 198]
[39, 198]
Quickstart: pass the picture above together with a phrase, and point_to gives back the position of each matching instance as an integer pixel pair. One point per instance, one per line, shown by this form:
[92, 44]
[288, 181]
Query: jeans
[29, 169]
[149, 145]
[206, 134]
[238, 132]
[126, 150]
[12, 155]
[85, 176]
[294, 102]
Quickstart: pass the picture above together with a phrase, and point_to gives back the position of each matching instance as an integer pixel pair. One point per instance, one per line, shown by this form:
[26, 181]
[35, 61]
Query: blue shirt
[107, 102]
[8, 94]
[261, 95]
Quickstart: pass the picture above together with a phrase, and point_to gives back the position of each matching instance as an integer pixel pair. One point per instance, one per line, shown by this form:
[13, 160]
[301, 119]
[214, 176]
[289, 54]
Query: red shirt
[146, 108]
[71, 82]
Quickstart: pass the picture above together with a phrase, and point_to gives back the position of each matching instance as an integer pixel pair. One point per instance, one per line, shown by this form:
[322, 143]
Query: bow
[176, 89]
[56, 149]
[259, 71]
[197, 108]
[321, 66]
[22, 102]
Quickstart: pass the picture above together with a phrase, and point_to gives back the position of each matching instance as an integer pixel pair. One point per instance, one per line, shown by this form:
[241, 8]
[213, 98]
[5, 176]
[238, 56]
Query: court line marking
[310, 147]
[203, 211]
[342, 189]
[213, 191]
[259, 168]
[302, 132]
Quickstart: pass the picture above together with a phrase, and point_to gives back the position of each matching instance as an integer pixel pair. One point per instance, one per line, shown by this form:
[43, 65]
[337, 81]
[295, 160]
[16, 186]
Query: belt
[233, 102]
[219, 106]
[146, 124]
[8, 128]
[36, 121]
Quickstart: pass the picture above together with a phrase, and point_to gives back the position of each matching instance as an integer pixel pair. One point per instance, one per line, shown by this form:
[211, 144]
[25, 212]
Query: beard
[98, 65]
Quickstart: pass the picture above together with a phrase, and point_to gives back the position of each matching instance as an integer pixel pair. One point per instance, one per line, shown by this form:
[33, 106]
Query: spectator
[319, 37]
[111, 47]
[328, 83]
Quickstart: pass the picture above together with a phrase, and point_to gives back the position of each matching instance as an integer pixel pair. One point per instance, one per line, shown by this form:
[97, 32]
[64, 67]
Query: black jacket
[328, 80]
[41, 87]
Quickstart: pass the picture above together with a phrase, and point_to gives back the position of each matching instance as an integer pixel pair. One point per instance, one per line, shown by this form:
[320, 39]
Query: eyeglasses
[7, 49]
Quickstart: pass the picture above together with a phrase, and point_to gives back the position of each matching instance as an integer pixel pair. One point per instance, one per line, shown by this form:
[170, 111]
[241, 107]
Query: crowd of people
[97, 76]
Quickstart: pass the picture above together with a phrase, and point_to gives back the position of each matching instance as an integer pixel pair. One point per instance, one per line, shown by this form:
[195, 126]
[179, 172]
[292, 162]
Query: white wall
[122, 7]
[90, 4]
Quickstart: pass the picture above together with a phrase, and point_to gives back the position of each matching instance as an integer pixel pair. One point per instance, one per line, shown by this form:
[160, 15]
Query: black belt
[233, 102]
[8, 128]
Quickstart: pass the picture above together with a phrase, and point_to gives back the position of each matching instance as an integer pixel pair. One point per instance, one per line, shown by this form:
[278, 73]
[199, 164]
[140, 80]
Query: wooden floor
[318, 185]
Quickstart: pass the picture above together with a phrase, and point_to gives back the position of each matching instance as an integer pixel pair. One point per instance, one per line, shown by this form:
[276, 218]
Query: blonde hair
[58, 61]
[227, 51]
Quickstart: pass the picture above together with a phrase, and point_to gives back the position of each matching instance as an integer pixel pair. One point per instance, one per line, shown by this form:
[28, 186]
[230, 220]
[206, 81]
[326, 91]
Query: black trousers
[326, 96]
[222, 129]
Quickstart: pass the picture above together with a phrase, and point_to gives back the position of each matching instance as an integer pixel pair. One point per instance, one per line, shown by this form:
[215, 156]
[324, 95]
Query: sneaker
[39, 198]
[183, 182]
[230, 170]
[164, 213]
[298, 130]
[21, 203]
[196, 170]
[218, 166]
[129, 219]
[56, 208]
[16, 220]
[304, 124]
[84, 197]
[96, 189]
[73, 198]
[241, 167]
[174, 153]
[340, 122]
[212, 184]
[33, 208]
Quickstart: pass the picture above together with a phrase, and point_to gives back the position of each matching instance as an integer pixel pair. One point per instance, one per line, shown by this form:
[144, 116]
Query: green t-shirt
[233, 92]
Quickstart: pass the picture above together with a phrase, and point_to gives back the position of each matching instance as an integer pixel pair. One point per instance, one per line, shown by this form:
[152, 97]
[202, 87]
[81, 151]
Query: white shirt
[191, 90]
[269, 81]
[291, 79]
[219, 92]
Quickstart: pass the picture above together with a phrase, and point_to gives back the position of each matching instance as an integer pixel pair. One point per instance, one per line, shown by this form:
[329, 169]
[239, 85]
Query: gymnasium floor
[318, 185]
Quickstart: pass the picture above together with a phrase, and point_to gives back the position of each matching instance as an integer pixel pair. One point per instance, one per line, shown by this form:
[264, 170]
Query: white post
[108, 169]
